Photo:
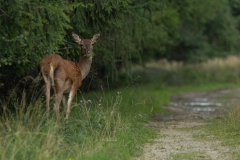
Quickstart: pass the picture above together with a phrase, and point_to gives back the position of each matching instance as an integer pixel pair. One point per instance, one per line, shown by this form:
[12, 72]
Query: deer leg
[47, 94]
[46, 90]
[64, 102]
[58, 96]
[70, 98]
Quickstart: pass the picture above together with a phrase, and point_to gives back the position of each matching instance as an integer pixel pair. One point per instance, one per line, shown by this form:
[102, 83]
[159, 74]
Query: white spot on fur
[51, 75]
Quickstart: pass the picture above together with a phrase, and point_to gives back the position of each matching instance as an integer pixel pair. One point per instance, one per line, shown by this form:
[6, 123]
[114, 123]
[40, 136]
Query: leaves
[30, 30]
[131, 31]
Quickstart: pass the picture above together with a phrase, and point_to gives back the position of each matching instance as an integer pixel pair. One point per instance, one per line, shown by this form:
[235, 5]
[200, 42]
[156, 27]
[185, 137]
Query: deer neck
[85, 61]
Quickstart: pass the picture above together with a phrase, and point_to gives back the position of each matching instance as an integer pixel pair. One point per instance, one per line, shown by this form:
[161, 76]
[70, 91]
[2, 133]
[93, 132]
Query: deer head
[86, 44]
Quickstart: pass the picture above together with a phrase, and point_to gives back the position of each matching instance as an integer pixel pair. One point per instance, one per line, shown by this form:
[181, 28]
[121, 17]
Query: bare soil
[179, 131]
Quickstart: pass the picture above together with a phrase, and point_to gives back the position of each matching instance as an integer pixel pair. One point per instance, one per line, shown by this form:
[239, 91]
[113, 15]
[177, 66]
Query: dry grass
[232, 62]
[222, 70]
[232, 118]
[211, 64]
[164, 64]
[96, 128]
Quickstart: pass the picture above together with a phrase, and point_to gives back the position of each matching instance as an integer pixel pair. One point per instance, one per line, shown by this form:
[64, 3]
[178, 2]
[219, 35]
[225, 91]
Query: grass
[108, 124]
[176, 73]
[190, 155]
[227, 130]
[96, 129]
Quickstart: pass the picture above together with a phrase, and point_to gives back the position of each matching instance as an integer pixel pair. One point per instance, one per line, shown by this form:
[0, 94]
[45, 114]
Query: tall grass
[217, 70]
[108, 124]
[24, 131]
[232, 119]
[96, 129]
[227, 129]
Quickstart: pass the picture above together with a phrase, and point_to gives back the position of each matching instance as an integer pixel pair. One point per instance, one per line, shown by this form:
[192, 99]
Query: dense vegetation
[105, 124]
[108, 124]
[131, 31]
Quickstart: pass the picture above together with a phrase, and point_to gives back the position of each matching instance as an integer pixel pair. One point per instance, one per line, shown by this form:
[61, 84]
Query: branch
[4, 12]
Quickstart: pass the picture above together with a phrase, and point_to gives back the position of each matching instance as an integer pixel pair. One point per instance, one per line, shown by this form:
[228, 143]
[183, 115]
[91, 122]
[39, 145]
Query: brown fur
[65, 76]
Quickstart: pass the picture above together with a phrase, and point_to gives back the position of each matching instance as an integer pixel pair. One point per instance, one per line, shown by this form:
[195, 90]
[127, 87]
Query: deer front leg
[46, 90]
[47, 97]
[70, 98]
[58, 96]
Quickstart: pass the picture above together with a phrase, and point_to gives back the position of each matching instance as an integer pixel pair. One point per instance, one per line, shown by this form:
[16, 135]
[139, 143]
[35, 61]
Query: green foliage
[106, 17]
[30, 30]
[194, 31]
[132, 31]
[189, 31]
[158, 31]
[235, 10]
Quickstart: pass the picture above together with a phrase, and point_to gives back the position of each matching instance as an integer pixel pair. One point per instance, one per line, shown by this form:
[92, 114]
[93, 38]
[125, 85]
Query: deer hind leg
[58, 88]
[46, 90]
[70, 98]
[64, 102]
[51, 75]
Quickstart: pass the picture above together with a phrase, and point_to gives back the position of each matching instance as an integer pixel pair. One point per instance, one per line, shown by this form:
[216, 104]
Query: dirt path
[179, 132]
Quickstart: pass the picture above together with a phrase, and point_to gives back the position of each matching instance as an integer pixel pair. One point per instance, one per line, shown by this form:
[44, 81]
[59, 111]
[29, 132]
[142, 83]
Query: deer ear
[95, 38]
[76, 38]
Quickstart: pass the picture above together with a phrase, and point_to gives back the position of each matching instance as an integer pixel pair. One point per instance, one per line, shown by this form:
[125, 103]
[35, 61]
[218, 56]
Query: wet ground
[200, 105]
[178, 130]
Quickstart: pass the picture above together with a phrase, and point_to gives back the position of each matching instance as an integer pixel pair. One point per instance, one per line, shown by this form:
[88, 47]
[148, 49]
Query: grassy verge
[107, 124]
[102, 125]
[227, 130]
[97, 129]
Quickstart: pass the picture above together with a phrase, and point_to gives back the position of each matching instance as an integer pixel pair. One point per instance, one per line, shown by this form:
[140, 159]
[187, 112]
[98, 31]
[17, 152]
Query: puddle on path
[200, 105]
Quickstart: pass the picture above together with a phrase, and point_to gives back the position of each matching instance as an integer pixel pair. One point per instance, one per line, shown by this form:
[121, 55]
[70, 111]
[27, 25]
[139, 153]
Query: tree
[207, 29]
[131, 31]
[29, 30]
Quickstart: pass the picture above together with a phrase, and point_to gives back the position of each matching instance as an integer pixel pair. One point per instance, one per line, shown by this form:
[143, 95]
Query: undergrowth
[227, 129]
[109, 124]
[96, 129]
[172, 73]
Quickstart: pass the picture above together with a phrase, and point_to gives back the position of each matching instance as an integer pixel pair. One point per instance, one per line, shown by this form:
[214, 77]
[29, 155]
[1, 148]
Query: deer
[64, 76]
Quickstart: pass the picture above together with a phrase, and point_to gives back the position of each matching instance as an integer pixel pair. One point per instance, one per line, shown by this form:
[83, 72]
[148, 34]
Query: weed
[96, 128]
[227, 129]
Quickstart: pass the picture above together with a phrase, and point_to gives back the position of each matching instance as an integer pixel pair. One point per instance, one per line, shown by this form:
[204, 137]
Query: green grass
[98, 128]
[108, 124]
[189, 155]
[227, 130]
